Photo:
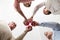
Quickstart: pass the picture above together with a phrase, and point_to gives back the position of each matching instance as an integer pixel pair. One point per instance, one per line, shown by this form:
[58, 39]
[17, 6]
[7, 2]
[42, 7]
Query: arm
[37, 7]
[29, 28]
[49, 24]
[44, 24]
[21, 36]
[55, 26]
[17, 7]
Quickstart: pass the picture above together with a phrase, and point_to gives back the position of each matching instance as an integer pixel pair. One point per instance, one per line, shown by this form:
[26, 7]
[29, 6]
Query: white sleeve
[37, 7]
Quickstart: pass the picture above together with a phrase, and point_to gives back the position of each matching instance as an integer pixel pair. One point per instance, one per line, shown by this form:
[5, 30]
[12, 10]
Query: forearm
[17, 7]
[55, 26]
[37, 8]
[21, 13]
[21, 36]
[47, 24]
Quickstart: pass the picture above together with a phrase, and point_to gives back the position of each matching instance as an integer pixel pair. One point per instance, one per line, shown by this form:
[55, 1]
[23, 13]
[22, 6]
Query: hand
[28, 28]
[26, 22]
[34, 23]
[48, 35]
[30, 19]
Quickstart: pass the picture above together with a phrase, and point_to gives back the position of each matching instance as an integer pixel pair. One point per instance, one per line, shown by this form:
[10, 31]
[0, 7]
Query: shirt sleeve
[41, 4]
[55, 26]
[21, 36]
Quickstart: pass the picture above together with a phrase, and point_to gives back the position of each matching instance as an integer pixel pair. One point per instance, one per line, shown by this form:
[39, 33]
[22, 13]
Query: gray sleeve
[53, 25]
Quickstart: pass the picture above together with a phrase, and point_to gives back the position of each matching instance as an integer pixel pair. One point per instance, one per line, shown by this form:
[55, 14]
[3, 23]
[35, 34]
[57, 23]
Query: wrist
[38, 24]
[31, 16]
[25, 18]
[25, 31]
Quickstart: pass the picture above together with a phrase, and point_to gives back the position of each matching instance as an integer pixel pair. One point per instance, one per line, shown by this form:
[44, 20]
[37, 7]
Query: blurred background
[8, 14]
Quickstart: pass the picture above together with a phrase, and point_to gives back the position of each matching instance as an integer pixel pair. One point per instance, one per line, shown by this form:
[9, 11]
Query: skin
[28, 21]
[18, 8]
[27, 4]
[12, 25]
[46, 11]
[34, 23]
[28, 29]
[48, 35]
